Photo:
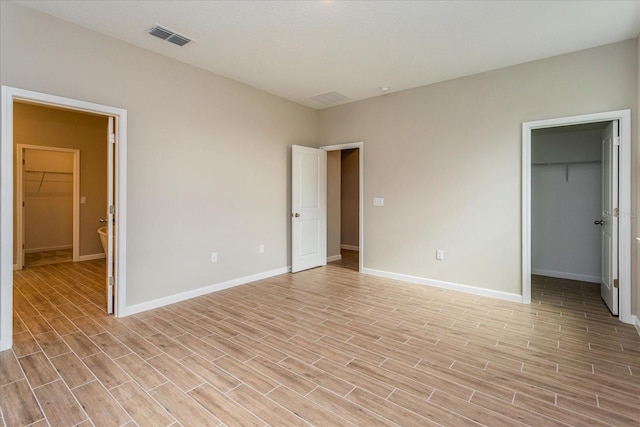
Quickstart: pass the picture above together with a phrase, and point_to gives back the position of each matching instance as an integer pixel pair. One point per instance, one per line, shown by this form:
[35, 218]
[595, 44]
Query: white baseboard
[334, 258]
[91, 256]
[48, 248]
[507, 296]
[636, 323]
[350, 247]
[564, 275]
[171, 299]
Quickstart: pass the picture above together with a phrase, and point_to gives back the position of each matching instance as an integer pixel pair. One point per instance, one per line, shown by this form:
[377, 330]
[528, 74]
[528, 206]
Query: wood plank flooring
[325, 347]
[33, 259]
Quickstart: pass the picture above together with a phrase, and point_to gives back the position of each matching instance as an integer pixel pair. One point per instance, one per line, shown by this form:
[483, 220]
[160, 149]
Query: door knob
[598, 222]
[296, 215]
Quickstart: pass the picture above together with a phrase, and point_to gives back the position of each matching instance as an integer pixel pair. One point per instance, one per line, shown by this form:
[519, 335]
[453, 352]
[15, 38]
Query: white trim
[91, 257]
[624, 191]
[6, 221]
[75, 231]
[350, 247]
[565, 275]
[636, 323]
[360, 146]
[171, 299]
[334, 258]
[345, 146]
[9, 95]
[475, 290]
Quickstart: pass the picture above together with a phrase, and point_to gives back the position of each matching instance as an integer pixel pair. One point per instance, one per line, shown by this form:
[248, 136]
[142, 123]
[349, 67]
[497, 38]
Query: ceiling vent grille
[330, 98]
[168, 35]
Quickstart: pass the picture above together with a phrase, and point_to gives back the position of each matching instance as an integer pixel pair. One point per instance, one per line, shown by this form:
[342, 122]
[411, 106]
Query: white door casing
[111, 145]
[8, 96]
[609, 217]
[309, 208]
[624, 200]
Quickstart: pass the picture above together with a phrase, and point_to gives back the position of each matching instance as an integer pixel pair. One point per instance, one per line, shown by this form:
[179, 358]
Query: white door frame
[360, 146]
[624, 191]
[9, 95]
[20, 223]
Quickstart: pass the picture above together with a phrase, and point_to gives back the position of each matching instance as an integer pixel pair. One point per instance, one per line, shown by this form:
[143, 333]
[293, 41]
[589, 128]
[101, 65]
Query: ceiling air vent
[330, 98]
[168, 35]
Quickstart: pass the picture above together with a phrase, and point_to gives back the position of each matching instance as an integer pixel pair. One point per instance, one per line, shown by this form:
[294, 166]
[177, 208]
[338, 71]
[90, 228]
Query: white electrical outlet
[439, 254]
[214, 256]
[261, 249]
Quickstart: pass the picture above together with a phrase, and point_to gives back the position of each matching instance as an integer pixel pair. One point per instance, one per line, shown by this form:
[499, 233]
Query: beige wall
[350, 198]
[447, 160]
[333, 203]
[208, 158]
[38, 125]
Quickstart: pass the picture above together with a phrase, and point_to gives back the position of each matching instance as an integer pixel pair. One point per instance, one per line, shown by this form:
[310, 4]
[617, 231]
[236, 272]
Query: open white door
[309, 208]
[111, 145]
[609, 219]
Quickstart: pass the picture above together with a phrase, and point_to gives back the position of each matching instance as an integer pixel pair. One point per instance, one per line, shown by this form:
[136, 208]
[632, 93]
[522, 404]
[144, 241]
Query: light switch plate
[378, 201]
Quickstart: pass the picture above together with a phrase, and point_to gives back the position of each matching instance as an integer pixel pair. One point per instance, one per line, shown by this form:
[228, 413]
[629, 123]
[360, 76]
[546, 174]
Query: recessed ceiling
[299, 49]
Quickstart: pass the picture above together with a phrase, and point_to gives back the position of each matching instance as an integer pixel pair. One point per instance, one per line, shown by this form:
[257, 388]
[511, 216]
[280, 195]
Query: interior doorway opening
[345, 205]
[47, 205]
[11, 97]
[622, 264]
[566, 205]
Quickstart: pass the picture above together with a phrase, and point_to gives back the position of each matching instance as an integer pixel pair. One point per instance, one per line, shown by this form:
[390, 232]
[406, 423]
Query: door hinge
[112, 209]
[616, 283]
[111, 281]
[616, 212]
[112, 138]
[616, 140]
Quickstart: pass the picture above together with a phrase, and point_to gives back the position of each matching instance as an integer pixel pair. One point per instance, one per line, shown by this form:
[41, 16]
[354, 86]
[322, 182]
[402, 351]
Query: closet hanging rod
[566, 163]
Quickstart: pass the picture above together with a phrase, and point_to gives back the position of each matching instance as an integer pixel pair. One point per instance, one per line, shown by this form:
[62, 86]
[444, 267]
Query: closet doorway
[620, 216]
[47, 190]
[566, 197]
[345, 209]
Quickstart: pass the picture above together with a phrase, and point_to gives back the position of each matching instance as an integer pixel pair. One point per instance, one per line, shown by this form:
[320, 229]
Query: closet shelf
[589, 162]
[567, 164]
[44, 174]
[59, 173]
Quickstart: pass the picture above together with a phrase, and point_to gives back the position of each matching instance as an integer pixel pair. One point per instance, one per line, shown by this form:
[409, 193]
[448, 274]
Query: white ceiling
[298, 49]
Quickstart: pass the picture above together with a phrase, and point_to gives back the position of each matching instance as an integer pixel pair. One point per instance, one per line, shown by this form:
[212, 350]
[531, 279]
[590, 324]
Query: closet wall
[565, 202]
[48, 198]
[350, 199]
[333, 205]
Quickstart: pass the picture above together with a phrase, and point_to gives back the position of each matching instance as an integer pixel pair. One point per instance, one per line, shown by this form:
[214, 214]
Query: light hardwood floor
[323, 347]
[33, 259]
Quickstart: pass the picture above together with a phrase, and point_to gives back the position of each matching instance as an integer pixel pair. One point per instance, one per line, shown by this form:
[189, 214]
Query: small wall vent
[168, 35]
